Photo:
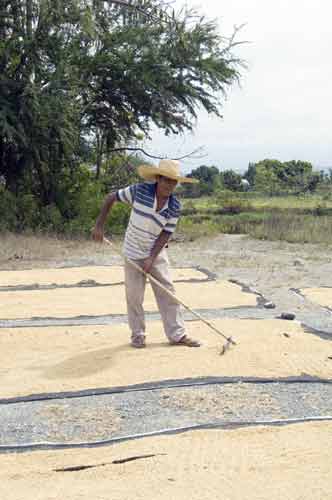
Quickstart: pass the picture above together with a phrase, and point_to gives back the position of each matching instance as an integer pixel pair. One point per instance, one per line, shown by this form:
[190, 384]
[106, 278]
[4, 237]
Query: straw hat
[166, 168]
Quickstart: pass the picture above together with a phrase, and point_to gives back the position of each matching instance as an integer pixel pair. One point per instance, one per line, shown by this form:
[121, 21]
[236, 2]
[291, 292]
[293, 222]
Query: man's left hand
[147, 265]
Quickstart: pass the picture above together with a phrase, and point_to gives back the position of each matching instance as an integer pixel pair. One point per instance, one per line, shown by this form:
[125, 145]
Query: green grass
[262, 201]
[300, 219]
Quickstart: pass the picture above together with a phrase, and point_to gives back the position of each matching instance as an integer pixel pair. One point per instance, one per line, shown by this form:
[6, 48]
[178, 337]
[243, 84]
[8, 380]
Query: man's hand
[98, 233]
[148, 263]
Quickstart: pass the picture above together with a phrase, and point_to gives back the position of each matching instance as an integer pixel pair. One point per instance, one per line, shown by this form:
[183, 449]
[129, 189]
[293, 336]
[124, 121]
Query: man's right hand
[98, 233]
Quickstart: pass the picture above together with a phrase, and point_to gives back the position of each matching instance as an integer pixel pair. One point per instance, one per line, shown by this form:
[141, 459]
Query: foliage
[7, 210]
[79, 80]
[79, 201]
[205, 174]
[208, 181]
[294, 228]
[250, 173]
[231, 203]
[287, 219]
[231, 180]
[211, 180]
[268, 176]
[274, 176]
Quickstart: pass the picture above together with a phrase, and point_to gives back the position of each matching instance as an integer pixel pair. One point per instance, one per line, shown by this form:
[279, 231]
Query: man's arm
[98, 230]
[160, 242]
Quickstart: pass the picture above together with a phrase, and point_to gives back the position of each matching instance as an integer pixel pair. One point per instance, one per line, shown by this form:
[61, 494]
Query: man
[154, 215]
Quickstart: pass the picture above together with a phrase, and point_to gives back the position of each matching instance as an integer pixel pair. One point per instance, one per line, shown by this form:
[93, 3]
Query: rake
[229, 340]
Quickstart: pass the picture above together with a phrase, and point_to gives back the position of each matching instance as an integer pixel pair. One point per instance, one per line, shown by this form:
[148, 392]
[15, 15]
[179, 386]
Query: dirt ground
[273, 268]
[254, 463]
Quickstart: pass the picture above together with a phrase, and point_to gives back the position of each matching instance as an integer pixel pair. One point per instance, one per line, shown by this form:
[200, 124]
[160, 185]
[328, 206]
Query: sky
[283, 107]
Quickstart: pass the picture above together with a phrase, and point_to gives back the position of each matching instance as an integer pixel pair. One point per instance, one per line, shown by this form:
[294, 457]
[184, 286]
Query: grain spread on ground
[103, 300]
[76, 275]
[292, 463]
[56, 359]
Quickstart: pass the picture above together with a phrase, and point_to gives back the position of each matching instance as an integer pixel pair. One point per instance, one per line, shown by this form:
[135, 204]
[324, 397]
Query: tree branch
[192, 154]
[122, 3]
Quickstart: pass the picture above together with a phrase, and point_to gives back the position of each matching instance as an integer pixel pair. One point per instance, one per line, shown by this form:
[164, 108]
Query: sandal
[187, 341]
[138, 341]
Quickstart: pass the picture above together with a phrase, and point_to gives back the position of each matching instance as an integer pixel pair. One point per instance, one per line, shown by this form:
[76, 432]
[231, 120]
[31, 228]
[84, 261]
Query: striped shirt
[145, 223]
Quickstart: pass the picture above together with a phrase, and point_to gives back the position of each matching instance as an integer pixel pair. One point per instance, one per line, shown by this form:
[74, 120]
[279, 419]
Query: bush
[231, 203]
[88, 208]
[191, 230]
[77, 216]
[28, 212]
[320, 209]
[118, 219]
[51, 219]
[8, 210]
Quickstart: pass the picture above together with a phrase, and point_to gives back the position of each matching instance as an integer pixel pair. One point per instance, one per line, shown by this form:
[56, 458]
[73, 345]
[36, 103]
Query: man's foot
[138, 341]
[187, 341]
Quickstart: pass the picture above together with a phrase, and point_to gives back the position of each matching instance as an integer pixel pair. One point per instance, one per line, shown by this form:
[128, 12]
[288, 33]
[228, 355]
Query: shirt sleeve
[127, 194]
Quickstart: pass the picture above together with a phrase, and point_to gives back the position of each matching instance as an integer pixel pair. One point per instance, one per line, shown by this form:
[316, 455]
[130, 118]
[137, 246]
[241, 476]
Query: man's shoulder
[147, 188]
[144, 194]
[174, 203]
[140, 185]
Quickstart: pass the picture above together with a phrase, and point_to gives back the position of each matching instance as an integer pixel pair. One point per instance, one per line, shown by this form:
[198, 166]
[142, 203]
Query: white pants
[169, 309]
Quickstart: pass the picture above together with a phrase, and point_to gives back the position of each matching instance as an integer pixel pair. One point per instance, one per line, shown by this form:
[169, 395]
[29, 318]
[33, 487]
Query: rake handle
[157, 282]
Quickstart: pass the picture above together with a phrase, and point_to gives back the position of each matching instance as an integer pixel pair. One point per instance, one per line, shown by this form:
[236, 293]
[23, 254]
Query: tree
[250, 174]
[205, 174]
[330, 175]
[266, 176]
[148, 72]
[39, 117]
[99, 72]
[298, 176]
[208, 177]
[231, 180]
[295, 176]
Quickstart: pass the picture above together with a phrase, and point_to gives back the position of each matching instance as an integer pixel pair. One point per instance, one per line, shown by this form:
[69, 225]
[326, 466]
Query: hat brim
[150, 173]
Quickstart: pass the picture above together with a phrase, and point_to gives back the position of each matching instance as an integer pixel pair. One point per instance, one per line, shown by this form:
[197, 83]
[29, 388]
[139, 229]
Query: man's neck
[161, 200]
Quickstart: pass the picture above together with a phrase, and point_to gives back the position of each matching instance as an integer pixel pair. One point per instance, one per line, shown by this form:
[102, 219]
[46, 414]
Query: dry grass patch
[18, 250]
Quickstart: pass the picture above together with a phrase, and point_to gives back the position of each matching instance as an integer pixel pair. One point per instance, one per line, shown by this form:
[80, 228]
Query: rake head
[227, 346]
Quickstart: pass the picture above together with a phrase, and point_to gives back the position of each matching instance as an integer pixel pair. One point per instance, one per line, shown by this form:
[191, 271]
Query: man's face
[165, 186]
